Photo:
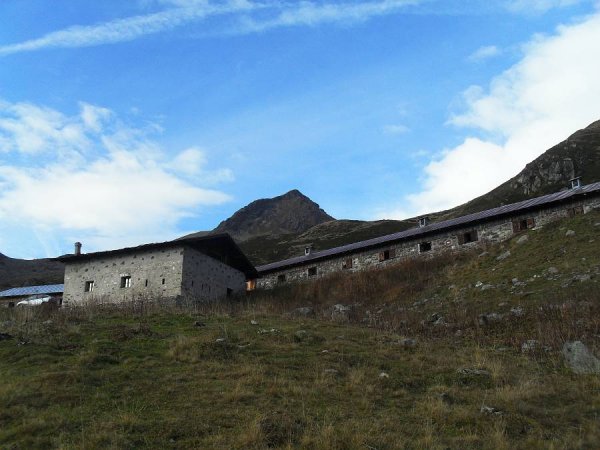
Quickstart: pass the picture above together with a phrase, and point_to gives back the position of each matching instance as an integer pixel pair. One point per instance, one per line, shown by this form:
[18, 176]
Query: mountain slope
[577, 156]
[292, 212]
[22, 272]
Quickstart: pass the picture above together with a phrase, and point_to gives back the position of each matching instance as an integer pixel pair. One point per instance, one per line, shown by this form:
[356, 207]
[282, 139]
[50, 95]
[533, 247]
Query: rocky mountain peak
[292, 212]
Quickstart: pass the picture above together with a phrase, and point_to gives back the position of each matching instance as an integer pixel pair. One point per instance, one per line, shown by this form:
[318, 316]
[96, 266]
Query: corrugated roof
[33, 290]
[483, 216]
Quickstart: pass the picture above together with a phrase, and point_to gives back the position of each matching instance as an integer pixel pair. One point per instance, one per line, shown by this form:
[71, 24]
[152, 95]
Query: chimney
[423, 221]
[308, 250]
[576, 183]
[77, 248]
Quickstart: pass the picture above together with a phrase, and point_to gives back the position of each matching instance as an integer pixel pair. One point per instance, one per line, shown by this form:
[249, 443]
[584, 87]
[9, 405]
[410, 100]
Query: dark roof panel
[33, 290]
[220, 244]
[470, 219]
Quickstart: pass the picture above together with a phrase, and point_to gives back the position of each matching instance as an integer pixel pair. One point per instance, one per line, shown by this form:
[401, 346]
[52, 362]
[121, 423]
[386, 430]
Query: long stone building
[200, 268]
[455, 235]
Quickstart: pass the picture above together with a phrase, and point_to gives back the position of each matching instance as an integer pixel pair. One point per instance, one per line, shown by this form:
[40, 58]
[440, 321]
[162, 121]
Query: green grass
[149, 378]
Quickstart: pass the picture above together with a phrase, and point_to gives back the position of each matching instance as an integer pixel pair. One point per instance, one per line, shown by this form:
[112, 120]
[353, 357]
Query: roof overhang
[219, 246]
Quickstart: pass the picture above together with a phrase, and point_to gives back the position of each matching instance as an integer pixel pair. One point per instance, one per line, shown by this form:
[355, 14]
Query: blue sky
[124, 122]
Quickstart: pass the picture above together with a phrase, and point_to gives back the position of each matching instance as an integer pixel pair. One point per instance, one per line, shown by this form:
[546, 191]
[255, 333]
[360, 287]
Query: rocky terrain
[292, 212]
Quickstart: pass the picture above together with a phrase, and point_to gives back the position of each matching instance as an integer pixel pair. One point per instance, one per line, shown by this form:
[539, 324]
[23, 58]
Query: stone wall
[448, 241]
[205, 278]
[154, 274]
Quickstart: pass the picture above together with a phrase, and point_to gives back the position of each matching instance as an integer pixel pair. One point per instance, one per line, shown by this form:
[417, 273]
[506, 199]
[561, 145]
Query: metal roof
[219, 244]
[33, 290]
[413, 233]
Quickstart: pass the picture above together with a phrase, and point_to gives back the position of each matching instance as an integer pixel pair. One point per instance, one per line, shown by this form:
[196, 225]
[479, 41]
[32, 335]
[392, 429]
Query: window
[281, 278]
[347, 264]
[523, 224]
[424, 247]
[575, 211]
[89, 286]
[126, 281]
[387, 254]
[312, 271]
[250, 285]
[163, 281]
[146, 283]
[469, 236]
[229, 292]
[423, 221]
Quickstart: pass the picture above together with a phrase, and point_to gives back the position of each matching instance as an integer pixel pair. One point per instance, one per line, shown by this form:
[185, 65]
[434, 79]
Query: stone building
[198, 268]
[430, 239]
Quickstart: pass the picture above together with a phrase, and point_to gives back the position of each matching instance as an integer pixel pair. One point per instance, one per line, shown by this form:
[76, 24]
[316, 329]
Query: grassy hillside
[22, 272]
[408, 362]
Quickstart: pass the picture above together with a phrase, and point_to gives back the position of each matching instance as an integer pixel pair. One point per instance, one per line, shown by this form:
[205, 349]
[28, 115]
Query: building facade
[204, 268]
[455, 235]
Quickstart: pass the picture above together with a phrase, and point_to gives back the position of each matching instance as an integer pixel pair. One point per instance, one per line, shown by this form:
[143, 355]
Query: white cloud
[124, 190]
[550, 93]
[33, 129]
[396, 129]
[486, 52]
[537, 6]
[311, 13]
[129, 28]
[182, 12]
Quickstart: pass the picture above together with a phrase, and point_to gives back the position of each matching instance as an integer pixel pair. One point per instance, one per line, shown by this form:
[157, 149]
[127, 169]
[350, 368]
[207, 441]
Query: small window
[424, 247]
[523, 224]
[469, 236]
[163, 281]
[146, 283]
[89, 286]
[387, 254]
[281, 278]
[250, 285]
[312, 271]
[347, 264]
[126, 281]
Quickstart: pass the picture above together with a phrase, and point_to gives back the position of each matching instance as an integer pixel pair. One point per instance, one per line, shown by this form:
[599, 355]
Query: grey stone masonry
[440, 242]
[171, 272]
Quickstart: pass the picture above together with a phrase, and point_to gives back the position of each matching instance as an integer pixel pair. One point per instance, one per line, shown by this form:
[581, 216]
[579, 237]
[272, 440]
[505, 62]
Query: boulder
[408, 342]
[579, 358]
[486, 319]
[341, 313]
[503, 256]
[570, 233]
[304, 311]
[523, 239]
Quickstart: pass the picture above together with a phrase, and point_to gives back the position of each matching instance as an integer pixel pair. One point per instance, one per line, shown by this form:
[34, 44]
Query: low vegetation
[452, 352]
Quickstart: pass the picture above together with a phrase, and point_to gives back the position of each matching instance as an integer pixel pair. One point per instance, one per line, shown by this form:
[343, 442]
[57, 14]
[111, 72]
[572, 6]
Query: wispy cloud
[311, 14]
[396, 129]
[486, 52]
[182, 12]
[129, 28]
[539, 6]
[102, 181]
